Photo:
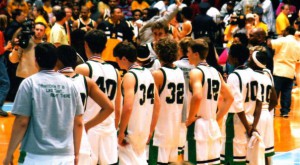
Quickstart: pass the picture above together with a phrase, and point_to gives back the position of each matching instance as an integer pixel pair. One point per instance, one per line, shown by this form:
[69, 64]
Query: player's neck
[96, 57]
[201, 62]
[131, 66]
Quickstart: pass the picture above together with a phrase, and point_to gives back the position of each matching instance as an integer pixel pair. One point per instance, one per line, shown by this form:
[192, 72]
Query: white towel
[256, 150]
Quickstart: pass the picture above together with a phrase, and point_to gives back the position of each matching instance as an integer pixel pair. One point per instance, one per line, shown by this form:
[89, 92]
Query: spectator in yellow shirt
[258, 12]
[17, 4]
[41, 15]
[282, 20]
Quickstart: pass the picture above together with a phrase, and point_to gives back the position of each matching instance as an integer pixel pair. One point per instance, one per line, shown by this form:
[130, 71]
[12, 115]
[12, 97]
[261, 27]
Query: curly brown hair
[166, 50]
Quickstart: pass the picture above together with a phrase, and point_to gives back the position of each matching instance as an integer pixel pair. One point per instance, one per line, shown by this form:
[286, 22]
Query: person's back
[211, 88]
[51, 131]
[106, 78]
[167, 128]
[139, 124]
[51, 104]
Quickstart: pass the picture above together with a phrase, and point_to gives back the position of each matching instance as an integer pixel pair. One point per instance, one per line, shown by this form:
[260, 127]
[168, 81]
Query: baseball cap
[249, 15]
[258, 11]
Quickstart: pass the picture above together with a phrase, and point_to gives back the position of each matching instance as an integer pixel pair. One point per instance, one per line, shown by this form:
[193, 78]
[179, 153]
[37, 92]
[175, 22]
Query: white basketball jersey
[106, 78]
[250, 90]
[186, 67]
[211, 85]
[81, 86]
[171, 98]
[266, 84]
[138, 128]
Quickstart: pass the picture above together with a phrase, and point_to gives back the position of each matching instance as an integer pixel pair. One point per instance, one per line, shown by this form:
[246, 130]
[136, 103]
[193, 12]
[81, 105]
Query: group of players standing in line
[177, 109]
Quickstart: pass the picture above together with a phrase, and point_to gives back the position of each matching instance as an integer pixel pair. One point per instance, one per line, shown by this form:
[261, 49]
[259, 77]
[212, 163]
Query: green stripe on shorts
[229, 139]
[22, 156]
[153, 153]
[192, 155]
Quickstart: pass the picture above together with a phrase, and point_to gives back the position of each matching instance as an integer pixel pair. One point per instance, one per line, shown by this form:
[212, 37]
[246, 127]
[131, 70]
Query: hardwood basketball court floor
[287, 134]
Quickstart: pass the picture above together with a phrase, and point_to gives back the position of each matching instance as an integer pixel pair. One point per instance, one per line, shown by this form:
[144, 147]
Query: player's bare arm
[102, 100]
[196, 77]
[128, 86]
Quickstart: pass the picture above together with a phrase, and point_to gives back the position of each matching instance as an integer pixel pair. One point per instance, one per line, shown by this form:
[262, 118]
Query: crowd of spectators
[222, 22]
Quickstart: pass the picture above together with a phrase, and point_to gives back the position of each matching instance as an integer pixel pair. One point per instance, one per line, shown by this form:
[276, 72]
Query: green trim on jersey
[91, 70]
[76, 75]
[203, 78]
[136, 81]
[141, 68]
[22, 157]
[86, 90]
[164, 81]
[240, 80]
[229, 139]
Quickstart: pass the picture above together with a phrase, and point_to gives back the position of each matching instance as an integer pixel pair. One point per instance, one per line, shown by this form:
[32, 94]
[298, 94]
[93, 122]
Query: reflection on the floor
[287, 158]
[287, 134]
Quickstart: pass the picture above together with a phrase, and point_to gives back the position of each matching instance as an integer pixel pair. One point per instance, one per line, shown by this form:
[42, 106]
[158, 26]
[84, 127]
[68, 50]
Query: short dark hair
[242, 37]
[136, 10]
[15, 13]
[167, 50]
[160, 25]
[187, 12]
[290, 30]
[46, 55]
[201, 46]
[96, 40]
[59, 14]
[125, 49]
[112, 10]
[67, 55]
[240, 52]
[40, 23]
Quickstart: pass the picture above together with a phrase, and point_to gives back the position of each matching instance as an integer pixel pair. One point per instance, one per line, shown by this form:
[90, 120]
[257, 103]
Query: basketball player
[269, 101]
[206, 83]
[169, 80]
[245, 111]
[185, 66]
[67, 58]
[102, 137]
[140, 107]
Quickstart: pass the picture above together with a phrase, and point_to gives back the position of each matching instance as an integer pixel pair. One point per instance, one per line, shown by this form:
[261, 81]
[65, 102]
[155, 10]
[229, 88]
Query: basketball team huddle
[183, 111]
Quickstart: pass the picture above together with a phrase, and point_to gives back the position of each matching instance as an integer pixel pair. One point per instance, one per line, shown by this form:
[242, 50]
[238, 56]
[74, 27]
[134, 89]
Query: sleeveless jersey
[249, 89]
[266, 84]
[81, 86]
[211, 85]
[186, 67]
[171, 97]
[81, 24]
[106, 78]
[138, 128]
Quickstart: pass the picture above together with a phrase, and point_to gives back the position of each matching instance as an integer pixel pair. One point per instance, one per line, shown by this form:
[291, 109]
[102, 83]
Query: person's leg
[278, 84]
[286, 96]
[4, 85]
